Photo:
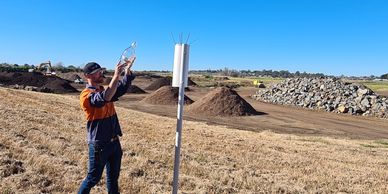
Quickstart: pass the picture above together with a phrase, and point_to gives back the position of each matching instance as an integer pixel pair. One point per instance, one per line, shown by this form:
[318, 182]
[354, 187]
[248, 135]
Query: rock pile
[222, 101]
[327, 94]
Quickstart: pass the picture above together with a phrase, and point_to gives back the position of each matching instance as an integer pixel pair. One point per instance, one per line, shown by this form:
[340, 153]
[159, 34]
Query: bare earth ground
[383, 93]
[276, 118]
[43, 150]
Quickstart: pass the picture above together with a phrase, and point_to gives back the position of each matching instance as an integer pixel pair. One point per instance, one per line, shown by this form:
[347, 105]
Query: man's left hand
[129, 63]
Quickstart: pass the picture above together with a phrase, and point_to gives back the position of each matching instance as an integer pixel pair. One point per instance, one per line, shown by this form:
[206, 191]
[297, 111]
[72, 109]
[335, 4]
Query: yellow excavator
[48, 67]
[258, 83]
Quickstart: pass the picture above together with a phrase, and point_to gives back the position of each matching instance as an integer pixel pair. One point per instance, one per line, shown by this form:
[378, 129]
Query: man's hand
[119, 69]
[112, 87]
[129, 64]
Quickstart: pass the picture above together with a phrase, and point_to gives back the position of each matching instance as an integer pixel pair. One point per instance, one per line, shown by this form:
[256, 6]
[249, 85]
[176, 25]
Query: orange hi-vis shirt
[102, 121]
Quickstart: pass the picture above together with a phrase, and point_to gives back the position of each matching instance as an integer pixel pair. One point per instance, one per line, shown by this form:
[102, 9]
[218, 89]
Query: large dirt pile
[166, 95]
[36, 81]
[164, 81]
[222, 101]
[23, 78]
[328, 94]
[135, 90]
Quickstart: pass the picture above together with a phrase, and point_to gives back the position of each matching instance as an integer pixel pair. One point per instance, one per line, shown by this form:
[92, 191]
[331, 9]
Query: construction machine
[47, 66]
[258, 83]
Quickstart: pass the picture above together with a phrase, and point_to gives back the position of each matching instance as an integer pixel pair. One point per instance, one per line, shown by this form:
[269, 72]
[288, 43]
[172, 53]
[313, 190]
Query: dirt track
[276, 118]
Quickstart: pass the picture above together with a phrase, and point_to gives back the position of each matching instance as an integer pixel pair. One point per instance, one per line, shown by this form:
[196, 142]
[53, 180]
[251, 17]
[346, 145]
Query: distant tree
[384, 76]
[59, 67]
[226, 72]
[234, 73]
[71, 67]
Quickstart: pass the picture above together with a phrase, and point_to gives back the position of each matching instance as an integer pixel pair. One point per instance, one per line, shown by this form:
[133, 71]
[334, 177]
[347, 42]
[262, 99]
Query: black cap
[91, 68]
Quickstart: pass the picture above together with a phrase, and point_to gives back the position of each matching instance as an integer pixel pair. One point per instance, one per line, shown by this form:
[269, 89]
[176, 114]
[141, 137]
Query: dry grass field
[43, 150]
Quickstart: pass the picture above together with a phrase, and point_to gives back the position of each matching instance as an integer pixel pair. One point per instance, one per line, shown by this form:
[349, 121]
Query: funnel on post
[181, 65]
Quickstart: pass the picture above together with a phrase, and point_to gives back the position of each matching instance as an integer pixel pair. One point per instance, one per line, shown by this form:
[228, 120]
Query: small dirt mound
[222, 78]
[222, 101]
[261, 85]
[135, 90]
[191, 82]
[165, 81]
[166, 95]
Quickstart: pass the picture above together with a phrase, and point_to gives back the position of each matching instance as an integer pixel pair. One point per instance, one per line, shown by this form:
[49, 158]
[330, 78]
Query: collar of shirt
[94, 88]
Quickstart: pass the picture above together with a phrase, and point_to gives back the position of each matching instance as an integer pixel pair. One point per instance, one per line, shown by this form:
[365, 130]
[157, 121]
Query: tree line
[258, 73]
[225, 72]
[5, 67]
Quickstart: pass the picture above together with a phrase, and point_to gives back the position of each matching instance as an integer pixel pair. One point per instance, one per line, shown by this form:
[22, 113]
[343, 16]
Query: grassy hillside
[43, 149]
[376, 85]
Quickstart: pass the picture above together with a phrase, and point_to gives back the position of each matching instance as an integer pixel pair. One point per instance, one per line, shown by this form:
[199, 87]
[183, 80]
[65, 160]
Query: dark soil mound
[74, 77]
[191, 82]
[23, 78]
[58, 85]
[71, 76]
[165, 81]
[261, 85]
[166, 95]
[222, 102]
[221, 78]
[5, 77]
[135, 90]
[36, 79]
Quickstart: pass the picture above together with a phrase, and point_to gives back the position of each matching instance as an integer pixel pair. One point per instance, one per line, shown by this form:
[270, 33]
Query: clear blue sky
[334, 37]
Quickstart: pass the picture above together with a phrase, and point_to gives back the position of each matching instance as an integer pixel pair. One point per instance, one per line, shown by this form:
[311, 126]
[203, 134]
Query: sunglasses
[101, 71]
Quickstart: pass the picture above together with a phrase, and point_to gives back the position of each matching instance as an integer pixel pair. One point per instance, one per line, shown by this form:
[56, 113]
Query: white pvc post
[181, 60]
[181, 66]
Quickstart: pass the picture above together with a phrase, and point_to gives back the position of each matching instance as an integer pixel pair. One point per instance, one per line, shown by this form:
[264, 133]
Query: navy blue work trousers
[103, 155]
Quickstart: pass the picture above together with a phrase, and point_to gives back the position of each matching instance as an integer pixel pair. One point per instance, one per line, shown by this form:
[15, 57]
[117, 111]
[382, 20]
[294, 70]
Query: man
[103, 128]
